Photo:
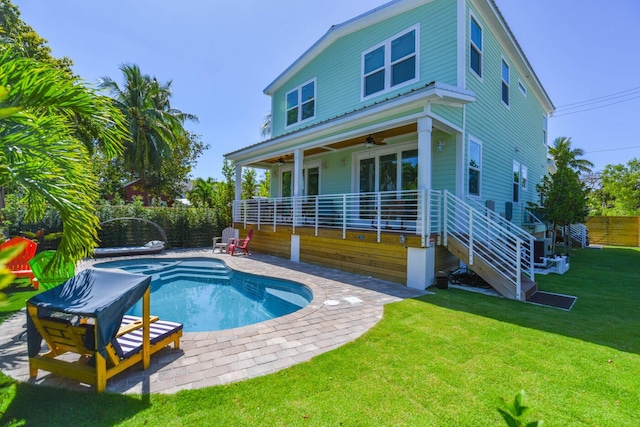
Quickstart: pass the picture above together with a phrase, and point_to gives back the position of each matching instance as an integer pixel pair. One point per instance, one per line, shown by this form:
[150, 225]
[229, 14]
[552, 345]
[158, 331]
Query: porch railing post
[518, 269]
[259, 212]
[344, 216]
[425, 214]
[530, 260]
[244, 205]
[294, 206]
[316, 210]
[470, 236]
[378, 214]
[445, 222]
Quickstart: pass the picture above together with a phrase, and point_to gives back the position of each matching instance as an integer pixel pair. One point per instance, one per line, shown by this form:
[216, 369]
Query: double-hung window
[544, 129]
[505, 83]
[516, 182]
[475, 168]
[301, 103]
[475, 47]
[391, 64]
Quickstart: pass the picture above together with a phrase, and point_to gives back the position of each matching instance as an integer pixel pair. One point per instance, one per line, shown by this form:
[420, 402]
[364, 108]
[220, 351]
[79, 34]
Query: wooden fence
[614, 230]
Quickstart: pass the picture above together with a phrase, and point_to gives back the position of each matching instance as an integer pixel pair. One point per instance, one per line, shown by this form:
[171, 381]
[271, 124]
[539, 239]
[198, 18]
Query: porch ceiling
[341, 145]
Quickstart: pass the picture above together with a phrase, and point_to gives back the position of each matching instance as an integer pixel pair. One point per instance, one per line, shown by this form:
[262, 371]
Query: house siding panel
[507, 134]
[338, 67]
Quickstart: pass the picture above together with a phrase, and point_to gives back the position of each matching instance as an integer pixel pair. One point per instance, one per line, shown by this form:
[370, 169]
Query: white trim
[470, 139]
[376, 153]
[524, 177]
[346, 127]
[461, 45]
[300, 102]
[472, 16]
[388, 64]
[516, 168]
[545, 130]
[522, 87]
[506, 83]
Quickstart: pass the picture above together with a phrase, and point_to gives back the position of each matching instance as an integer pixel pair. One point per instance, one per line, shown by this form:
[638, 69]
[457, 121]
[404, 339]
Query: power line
[598, 101]
[594, 99]
[612, 149]
[597, 107]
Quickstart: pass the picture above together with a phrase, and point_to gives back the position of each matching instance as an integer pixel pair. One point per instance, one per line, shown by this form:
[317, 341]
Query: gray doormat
[563, 302]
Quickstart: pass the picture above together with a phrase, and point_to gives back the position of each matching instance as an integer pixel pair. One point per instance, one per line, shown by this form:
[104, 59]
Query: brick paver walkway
[344, 306]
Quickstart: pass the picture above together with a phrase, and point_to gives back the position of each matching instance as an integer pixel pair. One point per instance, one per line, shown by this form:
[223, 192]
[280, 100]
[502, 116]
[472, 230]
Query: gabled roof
[373, 16]
[394, 8]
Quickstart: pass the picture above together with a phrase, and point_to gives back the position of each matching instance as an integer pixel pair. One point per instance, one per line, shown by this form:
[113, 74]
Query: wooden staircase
[488, 266]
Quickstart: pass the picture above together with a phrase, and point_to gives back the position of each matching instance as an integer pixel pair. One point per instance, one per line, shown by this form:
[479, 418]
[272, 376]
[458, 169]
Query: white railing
[487, 239]
[530, 220]
[410, 212]
[578, 232]
[526, 237]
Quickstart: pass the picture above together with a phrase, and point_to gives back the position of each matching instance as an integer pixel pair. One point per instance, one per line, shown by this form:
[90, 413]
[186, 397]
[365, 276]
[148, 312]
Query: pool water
[205, 295]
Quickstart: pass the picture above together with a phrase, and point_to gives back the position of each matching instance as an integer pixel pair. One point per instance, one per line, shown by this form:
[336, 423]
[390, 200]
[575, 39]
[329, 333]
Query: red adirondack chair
[19, 266]
[240, 244]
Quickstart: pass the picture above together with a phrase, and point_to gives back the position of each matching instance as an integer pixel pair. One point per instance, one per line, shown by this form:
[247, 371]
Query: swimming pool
[205, 295]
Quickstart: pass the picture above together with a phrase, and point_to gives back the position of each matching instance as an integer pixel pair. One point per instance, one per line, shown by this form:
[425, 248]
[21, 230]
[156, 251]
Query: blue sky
[222, 54]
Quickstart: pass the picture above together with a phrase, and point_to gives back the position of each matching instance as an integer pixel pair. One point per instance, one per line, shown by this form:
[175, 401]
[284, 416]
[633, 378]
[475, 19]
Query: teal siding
[443, 162]
[338, 68]
[452, 114]
[507, 134]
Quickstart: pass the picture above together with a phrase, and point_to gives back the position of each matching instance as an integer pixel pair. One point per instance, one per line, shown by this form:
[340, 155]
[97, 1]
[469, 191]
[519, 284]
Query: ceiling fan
[370, 142]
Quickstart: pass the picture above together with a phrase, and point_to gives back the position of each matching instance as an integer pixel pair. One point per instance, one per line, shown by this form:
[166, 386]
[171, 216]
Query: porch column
[297, 172]
[460, 165]
[238, 182]
[425, 124]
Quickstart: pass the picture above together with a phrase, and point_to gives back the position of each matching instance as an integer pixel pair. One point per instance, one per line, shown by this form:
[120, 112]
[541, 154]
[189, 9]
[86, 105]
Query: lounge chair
[47, 276]
[236, 244]
[19, 266]
[85, 316]
[221, 242]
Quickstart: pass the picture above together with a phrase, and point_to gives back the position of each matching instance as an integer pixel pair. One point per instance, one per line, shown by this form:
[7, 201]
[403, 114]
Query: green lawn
[441, 360]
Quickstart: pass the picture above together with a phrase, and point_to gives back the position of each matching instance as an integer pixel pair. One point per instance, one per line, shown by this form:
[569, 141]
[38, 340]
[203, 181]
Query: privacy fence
[614, 230]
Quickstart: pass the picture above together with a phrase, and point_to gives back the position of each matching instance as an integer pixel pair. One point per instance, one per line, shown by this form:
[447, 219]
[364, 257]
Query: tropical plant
[619, 193]
[265, 127]
[264, 186]
[249, 183]
[202, 192]
[516, 412]
[565, 156]
[39, 150]
[156, 129]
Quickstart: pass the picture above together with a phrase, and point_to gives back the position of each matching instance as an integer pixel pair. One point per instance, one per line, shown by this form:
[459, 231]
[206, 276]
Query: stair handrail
[487, 239]
[526, 237]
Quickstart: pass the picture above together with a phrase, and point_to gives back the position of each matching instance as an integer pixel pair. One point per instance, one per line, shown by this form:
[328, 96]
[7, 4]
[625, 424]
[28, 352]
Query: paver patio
[344, 307]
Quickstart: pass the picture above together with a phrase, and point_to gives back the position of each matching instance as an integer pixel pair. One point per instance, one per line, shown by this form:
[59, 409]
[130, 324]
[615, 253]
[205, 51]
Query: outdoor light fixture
[441, 145]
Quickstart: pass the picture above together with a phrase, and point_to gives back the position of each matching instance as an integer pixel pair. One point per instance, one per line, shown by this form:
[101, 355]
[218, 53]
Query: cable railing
[409, 212]
[526, 237]
[486, 238]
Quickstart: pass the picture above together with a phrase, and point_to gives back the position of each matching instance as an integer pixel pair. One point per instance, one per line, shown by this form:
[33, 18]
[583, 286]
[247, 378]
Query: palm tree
[201, 193]
[564, 155]
[154, 127]
[39, 149]
[265, 127]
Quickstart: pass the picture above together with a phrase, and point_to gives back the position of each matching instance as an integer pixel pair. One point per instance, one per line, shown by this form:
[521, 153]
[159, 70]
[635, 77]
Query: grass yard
[440, 360]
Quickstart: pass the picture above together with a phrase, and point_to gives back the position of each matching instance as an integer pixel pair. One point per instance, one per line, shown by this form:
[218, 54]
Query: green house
[404, 141]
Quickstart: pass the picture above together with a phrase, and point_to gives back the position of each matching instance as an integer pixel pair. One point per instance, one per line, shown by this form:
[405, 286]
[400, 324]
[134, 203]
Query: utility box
[508, 210]
[491, 205]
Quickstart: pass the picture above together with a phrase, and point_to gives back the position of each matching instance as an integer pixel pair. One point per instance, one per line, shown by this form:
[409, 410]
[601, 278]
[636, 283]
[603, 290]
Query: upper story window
[505, 83]
[391, 63]
[522, 87]
[301, 103]
[475, 167]
[516, 182]
[544, 129]
[475, 47]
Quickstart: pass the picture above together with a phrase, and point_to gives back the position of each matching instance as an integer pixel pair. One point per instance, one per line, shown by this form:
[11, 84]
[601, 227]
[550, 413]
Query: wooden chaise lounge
[77, 317]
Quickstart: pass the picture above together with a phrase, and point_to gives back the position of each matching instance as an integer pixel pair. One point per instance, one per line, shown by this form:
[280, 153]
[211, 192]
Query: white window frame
[376, 153]
[503, 82]
[516, 168]
[524, 177]
[476, 141]
[472, 45]
[388, 65]
[522, 87]
[545, 122]
[299, 104]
